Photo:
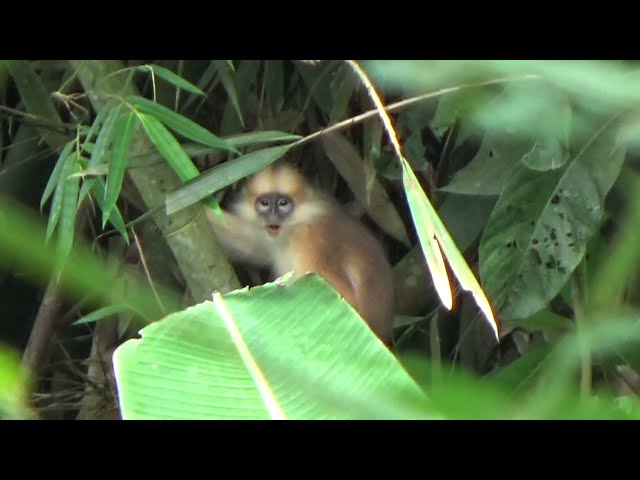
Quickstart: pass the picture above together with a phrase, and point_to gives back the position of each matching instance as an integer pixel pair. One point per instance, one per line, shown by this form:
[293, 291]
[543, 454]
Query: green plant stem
[581, 326]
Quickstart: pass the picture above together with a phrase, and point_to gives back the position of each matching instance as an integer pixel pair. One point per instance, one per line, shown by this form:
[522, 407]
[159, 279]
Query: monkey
[279, 221]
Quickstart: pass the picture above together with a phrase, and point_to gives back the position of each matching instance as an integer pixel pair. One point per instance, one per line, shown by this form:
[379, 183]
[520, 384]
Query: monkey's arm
[241, 241]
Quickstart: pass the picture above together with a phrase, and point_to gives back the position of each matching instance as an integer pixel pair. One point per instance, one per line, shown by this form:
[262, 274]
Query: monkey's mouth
[273, 230]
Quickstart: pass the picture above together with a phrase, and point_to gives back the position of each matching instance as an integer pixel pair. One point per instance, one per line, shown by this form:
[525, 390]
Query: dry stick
[38, 121]
[47, 321]
[345, 124]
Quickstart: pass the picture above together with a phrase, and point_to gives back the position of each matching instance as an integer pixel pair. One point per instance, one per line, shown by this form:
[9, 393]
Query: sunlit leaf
[244, 356]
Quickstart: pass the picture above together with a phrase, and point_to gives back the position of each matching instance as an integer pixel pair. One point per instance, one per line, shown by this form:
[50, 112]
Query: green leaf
[105, 137]
[546, 155]
[36, 98]
[69, 207]
[274, 84]
[223, 175]
[54, 179]
[256, 138]
[423, 220]
[465, 217]
[224, 70]
[539, 229]
[98, 186]
[246, 356]
[208, 81]
[68, 168]
[101, 313]
[172, 78]
[179, 123]
[342, 86]
[520, 375]
[168, 147]
[491, 167]
[123, 134]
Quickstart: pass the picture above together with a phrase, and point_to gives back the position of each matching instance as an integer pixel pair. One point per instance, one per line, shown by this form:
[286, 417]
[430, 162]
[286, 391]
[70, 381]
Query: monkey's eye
[283, 202]
[264, 202]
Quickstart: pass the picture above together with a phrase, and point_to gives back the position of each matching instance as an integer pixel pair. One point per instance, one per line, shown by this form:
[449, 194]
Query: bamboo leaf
[172, 78]
[168, 147]
[180, 124]
[223, 175]
[123, 134]
[224, 70]
[54, 179]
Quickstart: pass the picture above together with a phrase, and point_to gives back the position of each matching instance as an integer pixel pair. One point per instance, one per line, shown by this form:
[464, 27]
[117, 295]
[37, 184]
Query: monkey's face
[274, 209]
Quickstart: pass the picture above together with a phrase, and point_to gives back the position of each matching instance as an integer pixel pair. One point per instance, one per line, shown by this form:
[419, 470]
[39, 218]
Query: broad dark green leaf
[491, 167]
[546, 155]
[223, 175]
[168, 147]
[539, 229]
[123, 131]
[179, 123]
[520, 375]
[465, 217]
[246, 355]
[172, 78]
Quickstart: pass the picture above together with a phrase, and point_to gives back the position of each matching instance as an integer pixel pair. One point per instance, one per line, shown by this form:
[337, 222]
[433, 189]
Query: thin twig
[345, 124]
[146, 271]
[38, 121]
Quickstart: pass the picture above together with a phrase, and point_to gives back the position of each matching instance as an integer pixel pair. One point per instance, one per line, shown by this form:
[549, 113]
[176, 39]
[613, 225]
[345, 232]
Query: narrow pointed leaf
[229, 85]
[169, 147]
[69, 208]
[179, 123]
[123, 134]
[105, 138]
[223, 175]
[255, 138]
[54, 179]
[422, 217]
[59, 195]
[173, 78]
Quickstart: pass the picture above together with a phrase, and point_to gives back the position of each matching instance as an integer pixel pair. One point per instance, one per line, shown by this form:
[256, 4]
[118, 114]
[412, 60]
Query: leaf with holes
[292, 350]
[539, 229]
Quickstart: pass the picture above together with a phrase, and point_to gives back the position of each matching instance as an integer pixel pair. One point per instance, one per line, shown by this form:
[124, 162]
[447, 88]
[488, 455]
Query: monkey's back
[349, 257]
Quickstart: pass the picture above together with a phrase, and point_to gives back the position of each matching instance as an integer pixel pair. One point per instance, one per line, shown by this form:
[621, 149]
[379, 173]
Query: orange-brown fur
[318, 237]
